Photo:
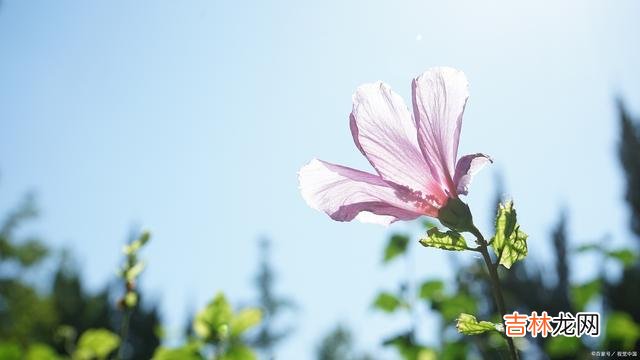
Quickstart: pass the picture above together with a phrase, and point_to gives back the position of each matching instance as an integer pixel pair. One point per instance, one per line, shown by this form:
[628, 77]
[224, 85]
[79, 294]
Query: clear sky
[192, 118]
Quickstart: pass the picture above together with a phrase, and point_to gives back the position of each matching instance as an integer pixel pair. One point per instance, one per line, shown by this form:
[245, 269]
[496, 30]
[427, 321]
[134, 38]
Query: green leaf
[588, 247]
[454, 350]
[96, 344]
[450, 240]
[137, 244]
[212, 323]
[387, 302]
[562, 346]
[509, 242]
[238, 352]
[10, 351]
[397, 246]
[582, 294]
[190, 351]
[469, 325]
[40, 351]
[451, 306]
[244, 320]
[432, 290]
[626, 256]
[132, 273]
[621, 327]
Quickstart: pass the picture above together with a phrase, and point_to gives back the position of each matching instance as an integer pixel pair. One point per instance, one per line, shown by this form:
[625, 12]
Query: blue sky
[192, 119]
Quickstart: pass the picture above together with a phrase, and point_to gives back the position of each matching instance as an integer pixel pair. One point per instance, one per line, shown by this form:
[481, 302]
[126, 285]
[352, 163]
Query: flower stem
[495, 285]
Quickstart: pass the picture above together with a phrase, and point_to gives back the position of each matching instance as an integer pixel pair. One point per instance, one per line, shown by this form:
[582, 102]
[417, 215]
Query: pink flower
[414, 155]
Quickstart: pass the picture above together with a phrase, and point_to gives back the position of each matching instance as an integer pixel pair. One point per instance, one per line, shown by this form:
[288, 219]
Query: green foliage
[39, 351]
[452, 305]
[626, 256]
[238, 351]
[387, 302]
[562, 346]
[10, 351]
[96, 344]
[27, 254]
[244, 320]
[396, 246]
[132, 269]
[25, 315]
[190, 351]
[218, 326]
[432, 290]
[509, 242]
[449, 240]
[469, 325]
[622, 329]
[582, 294]
[212, 323]
[454, 350]
[409, 350]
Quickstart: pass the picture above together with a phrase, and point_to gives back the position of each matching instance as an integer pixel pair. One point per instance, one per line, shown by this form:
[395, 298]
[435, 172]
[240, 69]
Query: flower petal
[344, 194]
[466, 168]
[384, 132]
[439, 98]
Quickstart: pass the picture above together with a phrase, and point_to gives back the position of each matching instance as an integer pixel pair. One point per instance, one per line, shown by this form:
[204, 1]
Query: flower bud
[456, 215]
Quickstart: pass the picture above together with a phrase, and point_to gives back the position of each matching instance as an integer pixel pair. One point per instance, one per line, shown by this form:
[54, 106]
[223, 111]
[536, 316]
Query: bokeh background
[191, 119]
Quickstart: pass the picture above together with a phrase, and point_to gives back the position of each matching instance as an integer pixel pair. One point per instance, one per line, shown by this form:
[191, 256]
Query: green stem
[495, 285]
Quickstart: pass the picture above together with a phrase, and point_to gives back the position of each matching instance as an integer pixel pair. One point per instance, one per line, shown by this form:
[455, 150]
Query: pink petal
[344, 194]
[384, 132]
[467, 167]
[439, 98]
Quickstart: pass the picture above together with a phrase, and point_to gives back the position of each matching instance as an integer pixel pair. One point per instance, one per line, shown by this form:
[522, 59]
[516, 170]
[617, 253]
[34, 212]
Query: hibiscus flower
[413, 153]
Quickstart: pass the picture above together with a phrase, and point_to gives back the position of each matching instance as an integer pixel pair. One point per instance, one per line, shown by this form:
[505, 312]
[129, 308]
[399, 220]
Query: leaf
[397, 246]
[621, 327]
[137, 244]
[451, 306]
[213, 321]
[96, 343]
[509, 242]
[190, 351]
[469, 325]
[582, 294]
[39, 351]
[454, 350]
[626, 256]
[562, 346]
[432, 290]
[238, 352]
[132, 273]
[587, 247]
[244, 320]
[387, 302]
[450, 240]
[10, 351]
